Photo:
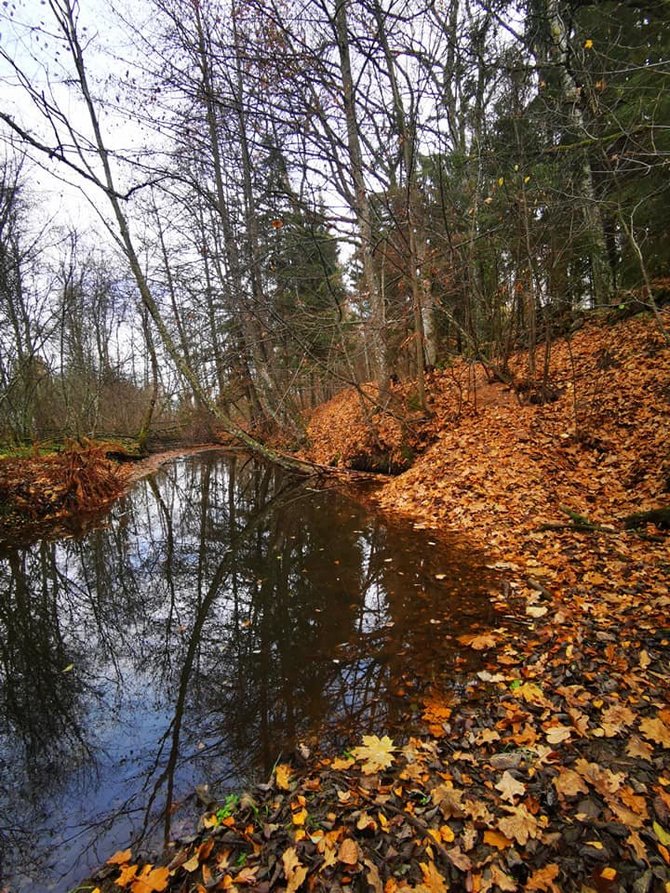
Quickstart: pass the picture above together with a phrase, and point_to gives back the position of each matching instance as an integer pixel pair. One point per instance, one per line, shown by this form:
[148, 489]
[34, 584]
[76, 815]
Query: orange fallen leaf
[127, 875]
[348, 852]
[120, 857]
[519, 824]
[192, 864]
[543, 879]
[497, 839]
[152, 880]
[569, 783]
[432, 879]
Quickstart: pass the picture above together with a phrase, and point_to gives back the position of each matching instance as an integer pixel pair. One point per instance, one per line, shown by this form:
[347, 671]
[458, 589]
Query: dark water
[222, 615]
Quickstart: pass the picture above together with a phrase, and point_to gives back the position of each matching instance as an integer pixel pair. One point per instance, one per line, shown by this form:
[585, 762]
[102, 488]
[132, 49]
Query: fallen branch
[659, 517]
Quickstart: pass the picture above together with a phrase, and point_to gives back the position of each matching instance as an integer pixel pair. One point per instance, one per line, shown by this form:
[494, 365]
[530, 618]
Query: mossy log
[659, 517]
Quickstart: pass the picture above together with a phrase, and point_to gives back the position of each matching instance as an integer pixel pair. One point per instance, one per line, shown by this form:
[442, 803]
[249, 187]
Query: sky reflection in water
[223, 614]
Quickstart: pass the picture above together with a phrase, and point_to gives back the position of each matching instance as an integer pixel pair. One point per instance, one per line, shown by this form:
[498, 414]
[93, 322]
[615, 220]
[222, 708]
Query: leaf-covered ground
[548, 770]
[58, 491]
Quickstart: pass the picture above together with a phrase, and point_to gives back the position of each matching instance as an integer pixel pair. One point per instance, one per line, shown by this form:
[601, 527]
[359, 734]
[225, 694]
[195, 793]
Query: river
[222, 615]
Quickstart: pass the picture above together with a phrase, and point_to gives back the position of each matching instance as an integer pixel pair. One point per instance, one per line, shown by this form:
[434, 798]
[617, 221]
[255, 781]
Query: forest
[278, 201]
[335, 446]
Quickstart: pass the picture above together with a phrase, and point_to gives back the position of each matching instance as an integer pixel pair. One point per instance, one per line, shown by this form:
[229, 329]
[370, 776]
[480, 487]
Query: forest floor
[548, 770]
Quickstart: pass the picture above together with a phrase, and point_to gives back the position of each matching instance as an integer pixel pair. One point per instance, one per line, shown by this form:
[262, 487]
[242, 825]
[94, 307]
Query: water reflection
[224, 613]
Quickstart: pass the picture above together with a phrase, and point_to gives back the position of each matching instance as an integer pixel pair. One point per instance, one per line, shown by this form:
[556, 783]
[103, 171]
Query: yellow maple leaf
[588, 44]
[532, 694]
[375, 753]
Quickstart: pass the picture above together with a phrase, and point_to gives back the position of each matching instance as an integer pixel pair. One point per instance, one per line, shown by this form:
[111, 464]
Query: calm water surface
[223, 614]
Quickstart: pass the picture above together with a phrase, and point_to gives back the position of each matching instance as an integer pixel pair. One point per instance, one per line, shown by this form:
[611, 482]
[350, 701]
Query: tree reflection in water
[222, 614]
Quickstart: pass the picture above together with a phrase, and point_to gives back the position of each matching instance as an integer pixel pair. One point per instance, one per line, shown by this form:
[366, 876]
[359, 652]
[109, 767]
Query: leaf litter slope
[549, 769]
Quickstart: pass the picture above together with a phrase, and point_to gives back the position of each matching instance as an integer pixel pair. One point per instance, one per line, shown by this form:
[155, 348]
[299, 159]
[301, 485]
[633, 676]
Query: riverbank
[548, 769]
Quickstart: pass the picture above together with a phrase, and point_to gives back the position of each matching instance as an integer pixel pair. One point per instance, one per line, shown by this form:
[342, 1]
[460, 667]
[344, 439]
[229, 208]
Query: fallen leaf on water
[120, 857]
[375, 753]
[479, 642]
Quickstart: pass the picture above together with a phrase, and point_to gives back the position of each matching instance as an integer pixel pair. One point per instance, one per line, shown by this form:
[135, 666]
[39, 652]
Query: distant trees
[354, 192]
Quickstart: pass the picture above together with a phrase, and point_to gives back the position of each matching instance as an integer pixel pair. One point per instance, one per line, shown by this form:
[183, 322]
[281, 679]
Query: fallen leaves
[520, 824]
[544, 767]
[656, 730]
[375, 753]
[509, 787]
[294, 871]
[283, 774]
[569, 783]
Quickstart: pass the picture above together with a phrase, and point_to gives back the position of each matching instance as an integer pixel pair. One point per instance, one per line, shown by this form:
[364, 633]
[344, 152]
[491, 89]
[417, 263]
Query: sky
[33, 58]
